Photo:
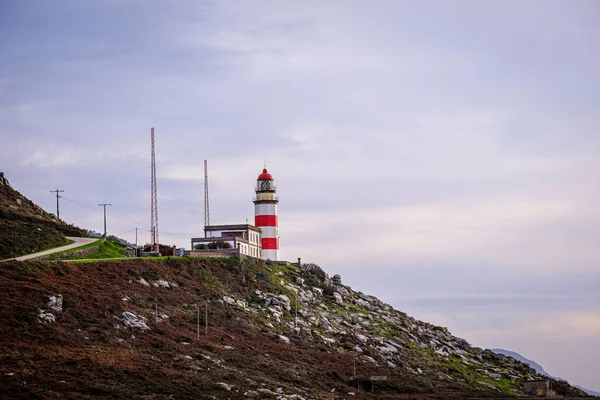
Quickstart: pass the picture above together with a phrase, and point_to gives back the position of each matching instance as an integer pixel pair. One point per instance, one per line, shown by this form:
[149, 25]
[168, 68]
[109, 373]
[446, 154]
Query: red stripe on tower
[270, 244]
[265, 220]
[265, 215]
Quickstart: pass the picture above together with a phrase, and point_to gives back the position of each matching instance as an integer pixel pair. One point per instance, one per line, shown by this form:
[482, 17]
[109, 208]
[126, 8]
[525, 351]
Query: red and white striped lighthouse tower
[265, 215]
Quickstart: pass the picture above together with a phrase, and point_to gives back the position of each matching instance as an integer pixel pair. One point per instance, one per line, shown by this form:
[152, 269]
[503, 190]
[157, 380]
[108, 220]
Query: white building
[243, 237]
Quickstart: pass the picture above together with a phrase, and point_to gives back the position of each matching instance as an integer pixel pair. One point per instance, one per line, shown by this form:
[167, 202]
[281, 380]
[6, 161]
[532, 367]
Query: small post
[155, 309]
[198, 322]
[206, 319]
[136, 245]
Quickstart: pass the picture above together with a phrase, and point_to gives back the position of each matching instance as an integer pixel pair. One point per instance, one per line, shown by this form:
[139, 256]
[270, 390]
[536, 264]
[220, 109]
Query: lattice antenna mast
[206, 207]
[154, 244]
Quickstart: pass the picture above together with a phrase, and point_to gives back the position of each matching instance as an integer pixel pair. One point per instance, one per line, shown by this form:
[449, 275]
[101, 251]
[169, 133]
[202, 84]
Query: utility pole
[136, 246]
[57, 191]
[104, 205]
[206, 206]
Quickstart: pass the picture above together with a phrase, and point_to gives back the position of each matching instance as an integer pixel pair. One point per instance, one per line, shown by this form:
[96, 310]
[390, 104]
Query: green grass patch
[54, 256]
[107, 249]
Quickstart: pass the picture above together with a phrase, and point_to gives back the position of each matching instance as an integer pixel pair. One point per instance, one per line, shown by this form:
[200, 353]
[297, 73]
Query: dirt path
[78, 243]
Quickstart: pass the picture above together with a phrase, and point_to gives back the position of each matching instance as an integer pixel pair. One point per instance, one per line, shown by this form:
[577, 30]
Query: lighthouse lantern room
[265, 207]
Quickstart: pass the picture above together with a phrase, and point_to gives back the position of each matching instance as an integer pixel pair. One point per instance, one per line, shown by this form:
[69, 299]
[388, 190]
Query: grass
[54, 256]
[107, 249]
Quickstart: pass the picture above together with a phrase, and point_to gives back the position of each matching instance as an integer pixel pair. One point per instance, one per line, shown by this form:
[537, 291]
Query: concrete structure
[265, 215]
[243, 237]
[539, 387]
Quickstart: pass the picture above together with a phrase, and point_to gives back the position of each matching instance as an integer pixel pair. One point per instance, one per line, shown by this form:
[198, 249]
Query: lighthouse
[265, 215]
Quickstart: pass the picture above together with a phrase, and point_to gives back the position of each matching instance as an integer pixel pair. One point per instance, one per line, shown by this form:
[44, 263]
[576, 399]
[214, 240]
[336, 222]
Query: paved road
[78, 242]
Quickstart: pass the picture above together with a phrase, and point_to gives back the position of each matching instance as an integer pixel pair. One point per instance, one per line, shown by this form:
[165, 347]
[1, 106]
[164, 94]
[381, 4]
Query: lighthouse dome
[265, 176]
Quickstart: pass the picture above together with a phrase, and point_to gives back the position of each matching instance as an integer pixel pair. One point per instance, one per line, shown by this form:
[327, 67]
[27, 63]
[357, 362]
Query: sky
[440, 155]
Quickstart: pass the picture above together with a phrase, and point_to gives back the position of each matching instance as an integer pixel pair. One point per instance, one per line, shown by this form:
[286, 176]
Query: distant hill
[538, 368]
[521, 358]
[25, 227]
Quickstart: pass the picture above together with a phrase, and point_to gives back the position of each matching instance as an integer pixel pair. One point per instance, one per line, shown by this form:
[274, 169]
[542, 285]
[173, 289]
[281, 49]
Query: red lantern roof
[265, 176]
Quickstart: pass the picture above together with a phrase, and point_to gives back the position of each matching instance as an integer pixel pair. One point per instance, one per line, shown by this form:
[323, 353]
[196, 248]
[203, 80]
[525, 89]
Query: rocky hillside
[132, 329]
[25, 227]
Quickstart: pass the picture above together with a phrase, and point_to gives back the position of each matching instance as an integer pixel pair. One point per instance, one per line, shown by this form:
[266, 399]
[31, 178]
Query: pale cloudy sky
[442, 155]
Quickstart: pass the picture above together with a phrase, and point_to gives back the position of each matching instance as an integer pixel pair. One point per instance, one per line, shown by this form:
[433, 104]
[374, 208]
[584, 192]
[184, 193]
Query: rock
[384, 351]
[161, 283]
[45, 317]
[299, 281]
[225, 386]
[361, 338]
[342, 291]
[488, 385]
[328, 340]
[54, 302]
[131, 320]
[358, 349]
[144, 282]
[284, 301]
[336, 279]
[370, 359]
[391, 364]
[241, 303]
[284, 339]
[229, 300]
[338, 298]
[361, 303]
[305, 296]
[266, 391]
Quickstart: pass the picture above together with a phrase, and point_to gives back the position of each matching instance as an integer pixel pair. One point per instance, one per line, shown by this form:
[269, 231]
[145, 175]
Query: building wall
[536, 387]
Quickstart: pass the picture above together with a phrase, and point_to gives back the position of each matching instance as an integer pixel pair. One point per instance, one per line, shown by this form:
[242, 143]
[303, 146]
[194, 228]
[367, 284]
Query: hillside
[128, 329]
[26, 228]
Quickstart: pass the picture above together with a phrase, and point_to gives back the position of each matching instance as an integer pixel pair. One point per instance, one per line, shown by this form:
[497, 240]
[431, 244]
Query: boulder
[361, 338]
[130, 320]
[161, 283]
[284, 301]
[336, 279]
[338, 298]
[45, 317]
[284, 339]
[54, 302]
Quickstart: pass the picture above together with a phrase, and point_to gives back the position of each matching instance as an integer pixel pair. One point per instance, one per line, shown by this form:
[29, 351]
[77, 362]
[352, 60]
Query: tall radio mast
[206, 207]
[154, 244]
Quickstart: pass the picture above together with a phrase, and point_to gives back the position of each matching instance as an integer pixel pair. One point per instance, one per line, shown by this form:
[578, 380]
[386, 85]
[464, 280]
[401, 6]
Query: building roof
[265, 176]
[232, 227]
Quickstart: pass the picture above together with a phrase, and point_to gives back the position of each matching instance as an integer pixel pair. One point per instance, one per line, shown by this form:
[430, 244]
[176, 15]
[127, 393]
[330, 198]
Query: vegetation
[18, 238]
[25, 228]
[108, 248]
